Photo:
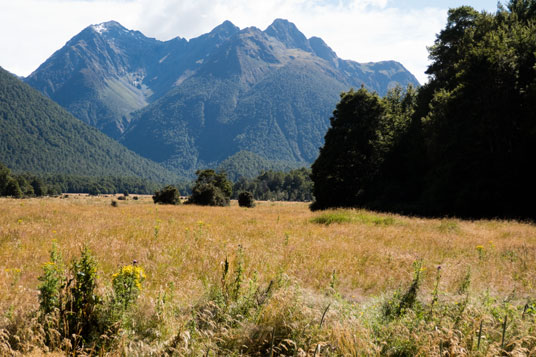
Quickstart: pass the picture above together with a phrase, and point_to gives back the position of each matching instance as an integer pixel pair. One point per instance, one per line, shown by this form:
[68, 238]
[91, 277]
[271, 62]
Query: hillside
[193, 103]
[37, 135]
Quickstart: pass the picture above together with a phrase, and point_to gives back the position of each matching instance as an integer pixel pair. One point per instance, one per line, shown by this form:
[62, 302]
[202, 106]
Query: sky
[359, 30]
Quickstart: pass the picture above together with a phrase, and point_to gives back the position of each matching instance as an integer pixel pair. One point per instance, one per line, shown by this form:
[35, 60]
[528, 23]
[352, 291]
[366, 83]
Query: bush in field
[68, 301]
[71, 308]
[245, 199]
[52, 281]
[168, 195]
[211, 189]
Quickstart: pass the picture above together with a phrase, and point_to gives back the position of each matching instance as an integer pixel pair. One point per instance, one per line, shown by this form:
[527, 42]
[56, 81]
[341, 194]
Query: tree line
[463, 144]
[294, 185]
[35, 185]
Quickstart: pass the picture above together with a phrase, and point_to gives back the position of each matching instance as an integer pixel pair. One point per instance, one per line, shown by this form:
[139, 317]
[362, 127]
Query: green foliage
[168, 195]
[363, 129]
[82, 300]
[52, 281]
[12, 188]
[71, 308]
[344, 216]
[245, 199]
[17, 186]
[127, 285]
[330, 218]
[211, 189]
[295, 185]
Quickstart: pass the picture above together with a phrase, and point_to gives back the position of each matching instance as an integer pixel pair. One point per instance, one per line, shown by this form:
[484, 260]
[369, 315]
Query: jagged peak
[286, 32]
[225, 27]
[321, 49]
[283, 24]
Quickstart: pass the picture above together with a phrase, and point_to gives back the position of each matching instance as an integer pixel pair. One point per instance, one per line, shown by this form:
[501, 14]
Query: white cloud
[361, 30]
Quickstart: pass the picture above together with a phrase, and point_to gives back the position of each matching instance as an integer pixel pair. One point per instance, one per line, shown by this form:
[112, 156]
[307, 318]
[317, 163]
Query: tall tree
[350, 157]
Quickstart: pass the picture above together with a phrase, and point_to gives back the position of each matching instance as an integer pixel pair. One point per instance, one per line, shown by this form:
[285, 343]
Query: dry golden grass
[183, 247]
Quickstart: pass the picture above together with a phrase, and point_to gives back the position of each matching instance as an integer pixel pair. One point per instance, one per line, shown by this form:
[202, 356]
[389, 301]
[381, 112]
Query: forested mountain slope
[37, 135]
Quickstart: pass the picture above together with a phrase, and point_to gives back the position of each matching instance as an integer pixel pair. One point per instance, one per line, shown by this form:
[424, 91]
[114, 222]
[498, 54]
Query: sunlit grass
[182, 248]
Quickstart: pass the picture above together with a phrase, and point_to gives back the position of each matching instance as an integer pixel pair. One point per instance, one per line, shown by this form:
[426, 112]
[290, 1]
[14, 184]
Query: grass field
[340, 282]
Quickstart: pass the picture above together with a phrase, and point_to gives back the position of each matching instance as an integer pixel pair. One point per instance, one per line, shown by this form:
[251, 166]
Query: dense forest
[463, 144]
[295, 185]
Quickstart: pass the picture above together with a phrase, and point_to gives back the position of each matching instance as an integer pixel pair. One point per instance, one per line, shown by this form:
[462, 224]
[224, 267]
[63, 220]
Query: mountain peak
[107, 26]
[286, 32]
[226, 27]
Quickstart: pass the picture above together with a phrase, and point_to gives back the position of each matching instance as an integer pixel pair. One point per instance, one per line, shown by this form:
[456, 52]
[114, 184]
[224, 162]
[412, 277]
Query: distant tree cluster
[295, 185]
[23, 185]
[463, 144]
[30, 185]
[99, 185]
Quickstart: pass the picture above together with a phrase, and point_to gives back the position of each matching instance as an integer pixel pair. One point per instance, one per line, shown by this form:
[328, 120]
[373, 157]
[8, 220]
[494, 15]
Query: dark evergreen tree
[351, 155]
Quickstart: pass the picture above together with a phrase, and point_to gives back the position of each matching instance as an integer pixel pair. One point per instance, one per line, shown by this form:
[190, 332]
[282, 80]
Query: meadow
[276, 279]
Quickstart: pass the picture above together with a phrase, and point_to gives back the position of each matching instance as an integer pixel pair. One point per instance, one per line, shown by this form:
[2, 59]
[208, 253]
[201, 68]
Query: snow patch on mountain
[100, 28]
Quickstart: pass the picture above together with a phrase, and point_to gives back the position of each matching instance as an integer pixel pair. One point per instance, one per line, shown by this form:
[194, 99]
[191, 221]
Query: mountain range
[189, 104]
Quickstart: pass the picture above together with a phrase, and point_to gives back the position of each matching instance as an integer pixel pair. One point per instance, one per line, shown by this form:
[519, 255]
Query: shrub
[13, 189]
[71, 308]
[82, 300]
[127, 285]
[209, 195]
[211, 189]
[52, 281]
[245, 199]
[168, 195]
[114, 203]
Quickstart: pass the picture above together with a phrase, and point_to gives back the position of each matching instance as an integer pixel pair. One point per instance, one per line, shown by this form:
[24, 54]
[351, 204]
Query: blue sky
[360, 30]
